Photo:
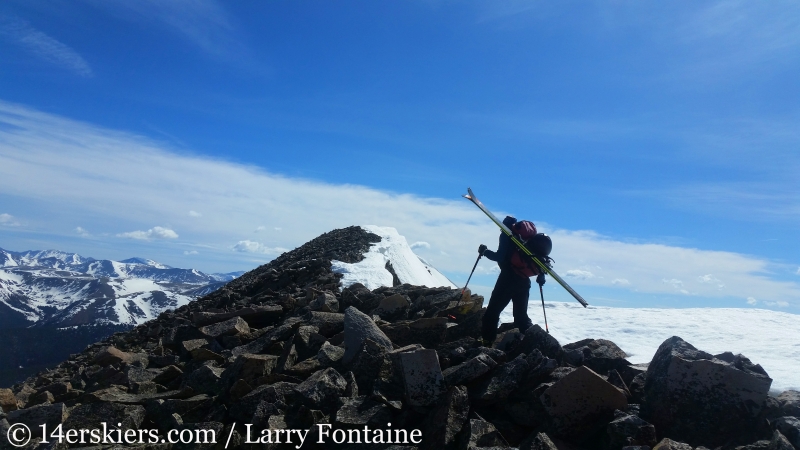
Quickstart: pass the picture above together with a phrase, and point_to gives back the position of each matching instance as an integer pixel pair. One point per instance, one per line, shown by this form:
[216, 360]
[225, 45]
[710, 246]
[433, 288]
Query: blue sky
[657, 142]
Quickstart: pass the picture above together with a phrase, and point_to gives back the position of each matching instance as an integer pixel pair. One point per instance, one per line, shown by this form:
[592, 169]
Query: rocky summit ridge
[285, 347]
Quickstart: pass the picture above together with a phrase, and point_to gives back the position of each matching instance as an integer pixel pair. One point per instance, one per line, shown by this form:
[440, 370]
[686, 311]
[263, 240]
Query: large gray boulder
[581, 404]
[701, 399]
[357, 328]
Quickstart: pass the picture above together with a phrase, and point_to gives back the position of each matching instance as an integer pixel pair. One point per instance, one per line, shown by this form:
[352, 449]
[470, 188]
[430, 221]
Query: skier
[513, 283]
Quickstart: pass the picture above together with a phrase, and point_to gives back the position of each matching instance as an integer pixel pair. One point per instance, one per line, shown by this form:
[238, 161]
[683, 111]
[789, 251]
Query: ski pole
[470, 277]
[543, 311]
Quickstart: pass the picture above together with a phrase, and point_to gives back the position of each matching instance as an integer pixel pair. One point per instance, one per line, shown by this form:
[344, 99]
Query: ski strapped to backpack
[542, 265]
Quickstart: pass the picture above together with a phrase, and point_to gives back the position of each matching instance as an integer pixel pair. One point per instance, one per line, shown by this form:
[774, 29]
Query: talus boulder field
[288, 351]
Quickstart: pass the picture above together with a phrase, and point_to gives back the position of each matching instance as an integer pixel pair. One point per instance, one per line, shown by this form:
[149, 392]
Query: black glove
[482, 248]
[509, 221]
[540, 279]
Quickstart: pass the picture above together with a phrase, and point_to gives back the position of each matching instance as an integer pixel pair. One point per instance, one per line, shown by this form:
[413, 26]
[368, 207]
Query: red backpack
[521, 263]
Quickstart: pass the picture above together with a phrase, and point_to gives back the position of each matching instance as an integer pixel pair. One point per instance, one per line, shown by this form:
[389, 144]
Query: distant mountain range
[59, 289]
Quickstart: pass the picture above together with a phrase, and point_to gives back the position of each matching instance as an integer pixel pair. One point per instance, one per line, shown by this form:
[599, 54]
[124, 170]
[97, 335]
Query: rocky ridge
[284, 347]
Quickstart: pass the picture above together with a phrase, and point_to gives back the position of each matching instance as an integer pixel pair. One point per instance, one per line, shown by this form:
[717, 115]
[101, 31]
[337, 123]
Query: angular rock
[7, 400]
[700, 399]
[329, 355]
[422, 376]
[357, 328]
[779, 442]
[628, 429]
[669, 444]
[35, 416]
[469, 370]
[600, 355]
[203, 354]
[503, 380]
[790, 403]
[111, 355]
[393, 307]
[789, 426]
[446, 421]
[324, 302]
[581, 403]
[323, 389]
[205, 379]
[228, 327]
[362, 411]
[168, 374]
[253, 315]
[538, 441]
[537, 338]
[91, 416]
[328, 323]
[525, 408]
[44, 397]
[480, 433]
[266, 340]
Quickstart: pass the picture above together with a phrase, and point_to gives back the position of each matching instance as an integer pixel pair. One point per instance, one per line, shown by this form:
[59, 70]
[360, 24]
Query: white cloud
[79, 177]
[8, 220]
[82, 231]
[195, 214]
[420, 244]
[260, 229]
[278, 229]
[779, 304]
[44, 46]
[798, 270]
[620, 282]
[152, 233]
[191, 252]
[579, 274]
[709, 278]
[752, 301]
[247, 246]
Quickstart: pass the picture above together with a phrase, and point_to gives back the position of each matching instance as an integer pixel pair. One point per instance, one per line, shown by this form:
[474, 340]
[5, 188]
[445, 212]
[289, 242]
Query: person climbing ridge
[513, 284]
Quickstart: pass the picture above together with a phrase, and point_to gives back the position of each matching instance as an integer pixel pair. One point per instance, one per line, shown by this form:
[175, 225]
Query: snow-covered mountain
[390, 262]
[65, 289]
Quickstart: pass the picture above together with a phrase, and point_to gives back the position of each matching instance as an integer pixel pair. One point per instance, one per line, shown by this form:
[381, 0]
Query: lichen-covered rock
[600, 355]
[480, 433]
[501, 382]
[358, 412]
[701, 399]
[423, 377]
[92, 415]
[322, 389]
[469, 370]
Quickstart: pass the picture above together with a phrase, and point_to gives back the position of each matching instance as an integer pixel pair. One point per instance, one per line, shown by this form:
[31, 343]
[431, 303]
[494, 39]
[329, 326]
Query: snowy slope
[393, 248]
[65, 289]
[769, 338]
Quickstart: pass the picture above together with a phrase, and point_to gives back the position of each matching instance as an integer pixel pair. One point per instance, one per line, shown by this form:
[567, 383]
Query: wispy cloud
[152, 233]
[204, 23]
[85, 173]
[191, 252]
[247, 246]
[195, 214]
[8, 220]
[43, 46]
[82, 232]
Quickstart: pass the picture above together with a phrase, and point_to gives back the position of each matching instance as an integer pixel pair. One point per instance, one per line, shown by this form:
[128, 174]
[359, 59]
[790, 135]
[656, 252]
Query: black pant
[509, 287]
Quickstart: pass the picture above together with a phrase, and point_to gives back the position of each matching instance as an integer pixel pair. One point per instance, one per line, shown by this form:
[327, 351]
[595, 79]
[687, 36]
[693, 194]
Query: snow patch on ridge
[394, 249]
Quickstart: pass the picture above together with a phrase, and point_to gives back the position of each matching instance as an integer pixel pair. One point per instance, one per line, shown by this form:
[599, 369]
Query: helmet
[540, 245]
